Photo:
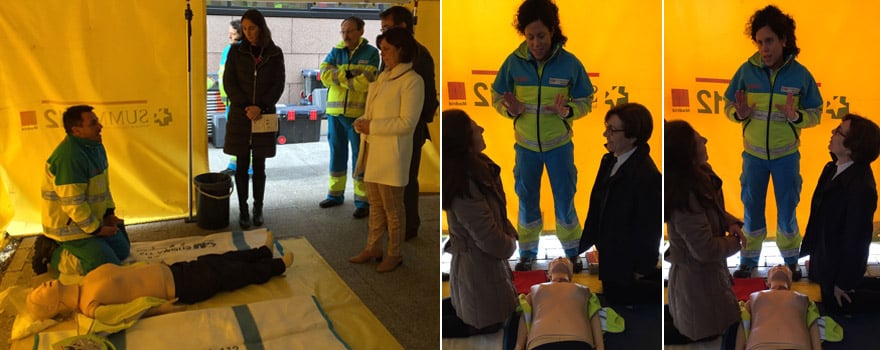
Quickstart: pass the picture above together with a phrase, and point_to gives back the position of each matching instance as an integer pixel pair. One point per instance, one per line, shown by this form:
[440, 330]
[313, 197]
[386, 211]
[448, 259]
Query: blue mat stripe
[248, 326]
[238, 240]
[329, 323]
[278, 247]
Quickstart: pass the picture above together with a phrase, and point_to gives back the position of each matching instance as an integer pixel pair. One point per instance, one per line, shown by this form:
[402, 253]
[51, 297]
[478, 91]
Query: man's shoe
[744, 271]
[327, 203]
[796, 273]
[361, 213]
[576, 264]
[525, 264]
[410, 234]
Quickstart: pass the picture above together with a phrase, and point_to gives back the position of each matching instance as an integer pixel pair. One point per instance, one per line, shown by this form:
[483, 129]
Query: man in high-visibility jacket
[773, 96]
[78, 210]
[347, 71]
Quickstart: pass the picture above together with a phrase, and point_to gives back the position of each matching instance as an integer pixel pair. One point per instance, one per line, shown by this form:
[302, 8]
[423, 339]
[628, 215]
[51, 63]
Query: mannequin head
[560, 270]
[779, 277]
[44, 302]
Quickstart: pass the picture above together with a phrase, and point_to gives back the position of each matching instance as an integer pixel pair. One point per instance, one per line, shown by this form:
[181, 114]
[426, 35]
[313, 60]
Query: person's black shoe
[244, 220]
[525, 264]
[361, 213]
[244, 217]
[796, 273]
[744, 271]
[258, 216]
[444, 276]
[576, 264]
[327, 203]
[44, 247]
[410, 234]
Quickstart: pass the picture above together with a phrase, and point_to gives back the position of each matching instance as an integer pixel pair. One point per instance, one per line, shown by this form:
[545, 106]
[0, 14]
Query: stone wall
[304, 41]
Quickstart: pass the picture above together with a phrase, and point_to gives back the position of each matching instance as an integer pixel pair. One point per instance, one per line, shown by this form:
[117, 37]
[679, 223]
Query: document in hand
[266, 123]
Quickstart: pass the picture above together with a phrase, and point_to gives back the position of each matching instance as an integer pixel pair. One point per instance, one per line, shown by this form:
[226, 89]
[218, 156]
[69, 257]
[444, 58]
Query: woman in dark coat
[841, 219]
[701, 299]
[254, 81]
[624, 217]
[481, 238]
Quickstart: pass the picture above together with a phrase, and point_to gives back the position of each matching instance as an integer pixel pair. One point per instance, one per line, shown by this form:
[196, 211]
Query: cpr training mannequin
[779, 317]
[559, 314]
[188, 282]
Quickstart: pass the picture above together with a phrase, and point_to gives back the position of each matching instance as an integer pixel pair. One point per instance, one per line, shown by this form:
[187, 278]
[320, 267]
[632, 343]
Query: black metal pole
[415, 15]
[188, 14]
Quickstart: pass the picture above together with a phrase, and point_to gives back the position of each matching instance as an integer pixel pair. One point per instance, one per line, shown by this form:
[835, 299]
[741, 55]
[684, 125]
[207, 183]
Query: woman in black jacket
[254, 81]
[840, 227]
[624, 220]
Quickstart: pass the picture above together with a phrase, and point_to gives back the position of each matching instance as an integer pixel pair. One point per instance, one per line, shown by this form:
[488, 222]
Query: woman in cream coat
[394, 103]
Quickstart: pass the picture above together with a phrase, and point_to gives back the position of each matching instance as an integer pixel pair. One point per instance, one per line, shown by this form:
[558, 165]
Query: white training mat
[290, 323]
[189, 248]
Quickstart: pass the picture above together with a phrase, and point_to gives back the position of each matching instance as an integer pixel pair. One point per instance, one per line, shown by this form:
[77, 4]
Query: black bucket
[213, 202]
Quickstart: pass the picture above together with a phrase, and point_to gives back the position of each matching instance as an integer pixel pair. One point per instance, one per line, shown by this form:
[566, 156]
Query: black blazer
[624, 219]
[840, 226]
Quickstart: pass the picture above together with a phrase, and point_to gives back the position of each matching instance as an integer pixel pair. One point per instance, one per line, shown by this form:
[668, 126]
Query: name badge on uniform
[790, 90]
[558, 81]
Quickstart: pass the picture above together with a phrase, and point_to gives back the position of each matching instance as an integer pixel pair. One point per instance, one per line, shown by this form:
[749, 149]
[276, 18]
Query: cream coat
[394, 103]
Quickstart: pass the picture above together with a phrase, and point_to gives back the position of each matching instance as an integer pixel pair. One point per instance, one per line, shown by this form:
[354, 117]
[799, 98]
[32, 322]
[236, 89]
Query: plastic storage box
[218, 121]
[299, 124]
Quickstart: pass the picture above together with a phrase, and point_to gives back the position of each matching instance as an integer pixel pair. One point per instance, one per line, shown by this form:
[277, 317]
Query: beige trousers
[387, 213]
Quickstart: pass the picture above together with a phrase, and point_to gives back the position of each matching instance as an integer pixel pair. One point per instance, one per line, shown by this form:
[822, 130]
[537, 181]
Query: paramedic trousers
[563, 181]
[341, 135]
[756, 174]
[94, 251]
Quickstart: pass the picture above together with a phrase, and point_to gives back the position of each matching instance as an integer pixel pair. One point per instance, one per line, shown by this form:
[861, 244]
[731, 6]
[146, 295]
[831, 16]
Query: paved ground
[405, 301]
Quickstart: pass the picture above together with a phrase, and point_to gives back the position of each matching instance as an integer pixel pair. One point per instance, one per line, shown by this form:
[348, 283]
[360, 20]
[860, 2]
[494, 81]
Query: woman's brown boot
[366, 255]
[390, 263]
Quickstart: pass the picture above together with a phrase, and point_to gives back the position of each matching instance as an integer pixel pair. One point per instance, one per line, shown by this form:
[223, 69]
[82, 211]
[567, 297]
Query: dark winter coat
[840, 226]
[249, 84]
[423, 64]
[624, 218]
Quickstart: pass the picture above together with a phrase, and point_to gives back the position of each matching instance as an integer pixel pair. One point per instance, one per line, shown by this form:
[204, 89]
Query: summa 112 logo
[711, 101]
[837, 107]
[110, 117]
[457, 91]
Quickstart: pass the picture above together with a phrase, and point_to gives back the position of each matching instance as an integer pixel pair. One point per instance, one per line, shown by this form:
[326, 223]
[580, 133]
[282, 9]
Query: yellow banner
[705, 43]
[619, 44]
[126, 58]
[6, 208]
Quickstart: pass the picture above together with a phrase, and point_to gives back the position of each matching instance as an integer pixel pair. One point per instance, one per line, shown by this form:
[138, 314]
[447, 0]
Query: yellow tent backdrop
[127, 58]
[705, 42]
[6, 209]
[619, 43]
